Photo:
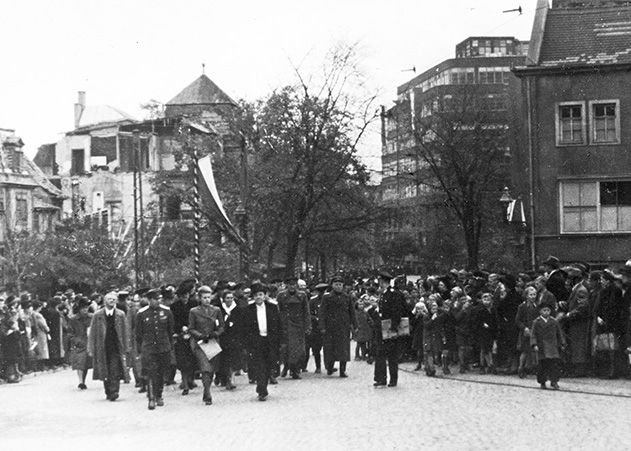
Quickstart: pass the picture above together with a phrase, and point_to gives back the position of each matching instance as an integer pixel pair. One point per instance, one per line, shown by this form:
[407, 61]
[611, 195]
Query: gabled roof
[585, 37]
[202, 91]
[101, 114]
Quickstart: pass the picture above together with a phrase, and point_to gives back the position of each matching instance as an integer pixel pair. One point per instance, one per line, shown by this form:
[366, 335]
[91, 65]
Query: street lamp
[505, 200]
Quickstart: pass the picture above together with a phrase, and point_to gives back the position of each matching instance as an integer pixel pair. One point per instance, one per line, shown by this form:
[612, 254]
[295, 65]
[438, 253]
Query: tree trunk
[323, 269]
[293, 243]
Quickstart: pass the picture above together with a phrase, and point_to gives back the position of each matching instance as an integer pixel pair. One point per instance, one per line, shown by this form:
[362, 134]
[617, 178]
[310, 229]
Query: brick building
[576, 110]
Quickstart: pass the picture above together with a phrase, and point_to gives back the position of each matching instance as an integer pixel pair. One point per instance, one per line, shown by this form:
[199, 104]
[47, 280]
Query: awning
[211, 202]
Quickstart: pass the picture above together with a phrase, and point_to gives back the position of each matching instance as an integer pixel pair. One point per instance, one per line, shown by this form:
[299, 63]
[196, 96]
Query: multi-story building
[28, 201]
[576, 106]
[483, 67]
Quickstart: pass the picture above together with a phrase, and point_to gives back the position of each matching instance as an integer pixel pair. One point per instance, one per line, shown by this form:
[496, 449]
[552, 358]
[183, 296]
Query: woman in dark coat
[462, 315]
[79, 324]
[507, 306]
[231, 340]
[432, 336]
[448, 325]
[54, 319]
[10, 342]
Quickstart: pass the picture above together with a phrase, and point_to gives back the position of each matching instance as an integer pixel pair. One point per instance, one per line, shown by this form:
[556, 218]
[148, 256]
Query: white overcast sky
[124, 52]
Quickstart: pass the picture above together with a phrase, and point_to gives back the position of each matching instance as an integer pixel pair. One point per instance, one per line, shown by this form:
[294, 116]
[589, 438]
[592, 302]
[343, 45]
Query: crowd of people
[560, 321]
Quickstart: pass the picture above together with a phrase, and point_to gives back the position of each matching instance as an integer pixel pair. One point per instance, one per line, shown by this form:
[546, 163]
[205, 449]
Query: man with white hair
[108, 344]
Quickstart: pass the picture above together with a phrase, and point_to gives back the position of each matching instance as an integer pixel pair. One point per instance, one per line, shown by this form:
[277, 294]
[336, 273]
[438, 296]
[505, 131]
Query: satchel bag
[211, 349]
[606, 342]
[402, 331]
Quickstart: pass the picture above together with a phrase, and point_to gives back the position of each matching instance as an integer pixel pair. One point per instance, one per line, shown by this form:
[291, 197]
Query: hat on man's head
[185, 287]
[258, 288]
[337, 278]
[83, 302]
[552, 261]
[291, 279]
[584, 267]
[142, 292]
[153, 294]
[572, 272]
[385, 275]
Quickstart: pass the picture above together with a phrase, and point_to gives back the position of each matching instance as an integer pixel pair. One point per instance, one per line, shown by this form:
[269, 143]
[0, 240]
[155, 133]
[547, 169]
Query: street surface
[322, 413]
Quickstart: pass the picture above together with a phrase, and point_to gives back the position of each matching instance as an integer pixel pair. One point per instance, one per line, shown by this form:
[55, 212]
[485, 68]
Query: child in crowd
[432, 337]
[527, 312]
[462, 316]
[486, 330]
[448, 325]
[546, 339]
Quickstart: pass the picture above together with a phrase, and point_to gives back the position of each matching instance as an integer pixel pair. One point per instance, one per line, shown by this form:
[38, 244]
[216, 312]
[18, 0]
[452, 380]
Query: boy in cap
[546, 338]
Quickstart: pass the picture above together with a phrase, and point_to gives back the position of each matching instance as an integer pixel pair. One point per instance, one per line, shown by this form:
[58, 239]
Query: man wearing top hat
[293, 306]
[262, 328]
[154, 336]
[391, 306]
[337, 320]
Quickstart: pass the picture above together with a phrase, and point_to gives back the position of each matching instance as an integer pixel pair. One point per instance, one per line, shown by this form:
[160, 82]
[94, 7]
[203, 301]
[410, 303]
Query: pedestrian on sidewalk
[108, 344]
[293, 306]
[546, 340]
[79, 324]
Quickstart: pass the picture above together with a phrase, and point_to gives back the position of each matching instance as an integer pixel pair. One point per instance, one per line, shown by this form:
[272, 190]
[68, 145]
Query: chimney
[78, 108]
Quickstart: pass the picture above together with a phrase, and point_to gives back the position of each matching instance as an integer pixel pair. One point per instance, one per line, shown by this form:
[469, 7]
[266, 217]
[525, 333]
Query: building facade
[482, 69]
[576, 107]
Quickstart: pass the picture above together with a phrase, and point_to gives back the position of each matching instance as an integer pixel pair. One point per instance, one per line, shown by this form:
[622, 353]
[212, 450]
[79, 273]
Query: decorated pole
[197, 212]
[135, 166]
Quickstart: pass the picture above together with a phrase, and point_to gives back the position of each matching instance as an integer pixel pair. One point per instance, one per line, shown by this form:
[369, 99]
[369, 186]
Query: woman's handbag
[606, 342]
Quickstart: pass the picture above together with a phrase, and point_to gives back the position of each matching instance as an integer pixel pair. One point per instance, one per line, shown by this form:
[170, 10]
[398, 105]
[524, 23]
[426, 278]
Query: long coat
[548, 337]
[275, 335]
[96, 343]
[296, 318]
[231, 340]
[184, 358]
[578, 323]
[337, 319]
[526, 314]
[39, 332]
[205, 322]
[486, 328]
[55, 321]
[79, 325]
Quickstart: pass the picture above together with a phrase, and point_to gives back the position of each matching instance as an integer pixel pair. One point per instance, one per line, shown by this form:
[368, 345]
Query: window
[593, 206]
[21, 210]
[605, 121]
[570, 123]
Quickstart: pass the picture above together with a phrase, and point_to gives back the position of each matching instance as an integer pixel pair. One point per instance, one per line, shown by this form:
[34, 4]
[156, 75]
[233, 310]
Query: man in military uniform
[154, 335]
[314, 339]
[391, 306]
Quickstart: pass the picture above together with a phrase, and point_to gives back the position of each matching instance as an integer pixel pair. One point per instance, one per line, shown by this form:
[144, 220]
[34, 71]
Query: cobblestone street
[320, 412]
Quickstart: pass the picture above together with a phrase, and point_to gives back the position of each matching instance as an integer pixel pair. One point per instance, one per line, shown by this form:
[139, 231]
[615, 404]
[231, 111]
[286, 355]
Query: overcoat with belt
[337, 320]
[296, 319]
[96, 343]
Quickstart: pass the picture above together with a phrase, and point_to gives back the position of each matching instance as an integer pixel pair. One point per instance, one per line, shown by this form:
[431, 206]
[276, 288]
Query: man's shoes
[295, 376]
[482, 370]
[330, 371]
[143, 389]
[138, 384]
[304, 370]
[113, 397]
[317, 371]
[262, 397]
[379, 384]
[343, 375]
[543, 386]
[446, 370]
[160, 402]
[555, 386]
[418, 367]
[284, 373]
[82, 386]
[208, 400]
[185, 392]
[152, 404]
[252, 381]
[272, 381]
[230, 386]
[392, 384]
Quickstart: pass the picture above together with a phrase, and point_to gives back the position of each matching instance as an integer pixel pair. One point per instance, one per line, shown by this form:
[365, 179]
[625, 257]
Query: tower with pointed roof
[201, 98]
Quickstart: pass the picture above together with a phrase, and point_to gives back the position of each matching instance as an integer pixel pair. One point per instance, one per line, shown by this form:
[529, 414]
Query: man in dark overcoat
[184, 358]
[337, 320]
[108, 345]
[294, 313]
[263, 332]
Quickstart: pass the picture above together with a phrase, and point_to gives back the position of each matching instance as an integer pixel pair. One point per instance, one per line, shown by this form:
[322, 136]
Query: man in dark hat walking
[154, 335]
[294, 313]
[391, 306]
[337, 320]
[263, 333]
[314, 339]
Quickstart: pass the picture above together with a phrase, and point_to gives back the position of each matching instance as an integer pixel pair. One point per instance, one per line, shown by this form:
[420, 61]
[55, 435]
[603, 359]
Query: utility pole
[141, 211]
[135, 172]
[242, 213]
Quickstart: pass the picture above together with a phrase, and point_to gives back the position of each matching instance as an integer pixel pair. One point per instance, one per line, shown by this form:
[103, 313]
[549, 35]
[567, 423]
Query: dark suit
[264, 350]
[392, 306]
